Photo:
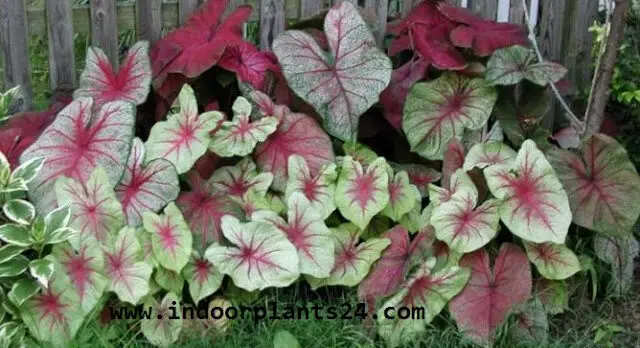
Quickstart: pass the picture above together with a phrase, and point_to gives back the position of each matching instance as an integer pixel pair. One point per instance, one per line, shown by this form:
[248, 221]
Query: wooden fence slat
[533, 12]
[149, 20]
[310, 8]
[13, 39]
[486, 9]
[577, 41]
[550, 40]
[61, 56]
[381, 10]
[233, 5]
[271, 21]
[104, 28]
[185, 8]
[503, 10]
[516, 12]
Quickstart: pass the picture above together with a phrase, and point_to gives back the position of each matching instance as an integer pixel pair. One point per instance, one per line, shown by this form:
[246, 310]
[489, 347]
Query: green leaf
[531, 323]
[284, 339]
[360, 153]
[17, 185]
[483, 155]
[240, 136]
[19, 211]
[16, 235]
[169, 280]
[510, 65]
[553, 261]
[9, 251]
[28, 170]
[42, 270]
[127, 273]
[161, 330]
[22, 290]
[318, 189]
[5, 170]
[361, 194]
[56, 219]
[171, 238]
[203, 277]
[402, 196]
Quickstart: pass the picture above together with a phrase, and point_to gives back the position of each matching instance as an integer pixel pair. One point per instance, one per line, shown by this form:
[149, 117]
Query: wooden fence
[561, 26]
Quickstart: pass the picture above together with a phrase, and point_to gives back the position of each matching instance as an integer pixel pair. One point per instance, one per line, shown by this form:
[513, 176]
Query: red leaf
[297, 134]
[12, 144]
[390, 271]
[484, 303]
[481, 35]
[248, 63]
[453, 160]
[393, 97]
[426, 31]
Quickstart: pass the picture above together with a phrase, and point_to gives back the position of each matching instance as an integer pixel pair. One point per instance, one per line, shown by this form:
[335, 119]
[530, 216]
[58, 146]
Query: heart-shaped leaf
[553, 294]
[306, 230]
[488, 153]
[603, 185]
[95, 209]
[361, 194]
[402, 196]
[162, 329]
[553, 261]
[236, 180]
[203, 277]
[130, 83]
[427, 290]
[394, 96]
[240, 136]
[168, 280]
[261, 256]
[353, 260]
[171, 238]
[419, 175]
[531, 323]
[145, 187]
[184, 137]
[534, 206]
[317, 189]
[509, 66]
[76, 143]
[489, 295]
[619, 252]
[127, 273]
[440, 110]
[342, 84]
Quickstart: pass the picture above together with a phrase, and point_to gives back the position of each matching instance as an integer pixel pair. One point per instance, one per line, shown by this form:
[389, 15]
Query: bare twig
[575, 121]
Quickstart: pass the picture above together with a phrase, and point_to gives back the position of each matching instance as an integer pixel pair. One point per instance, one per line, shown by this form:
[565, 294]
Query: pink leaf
[248, 63]
[145, 187]
[237, 180]
[318, 189]
[12, 144]
[419, 175]
[297, 134]
[203, 277]
[171, 239]
[453, 160]
[130, 83]
[79, 141]
[489, 295]
[402, 79]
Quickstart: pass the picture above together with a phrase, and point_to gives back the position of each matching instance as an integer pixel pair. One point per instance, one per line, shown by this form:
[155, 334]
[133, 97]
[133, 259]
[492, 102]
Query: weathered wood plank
[104, 28]
[185, 8]
[61, 56]
[577, 41]
[487, 9]
[550, 40]
[149, 20]
[13, 39]
[516, 12]
[382, 8]
[310, 8]
[233, 5]
[503, 10]
[271, 21]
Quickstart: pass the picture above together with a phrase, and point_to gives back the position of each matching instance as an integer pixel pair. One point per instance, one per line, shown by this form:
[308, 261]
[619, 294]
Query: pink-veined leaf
[318, 189]
[128, 274]
[402, 195]
[619, 252]
[253, 201]
[483, 36]
[306, 230]
[440, 110]
[484, 154]
[452, 160]
[297, 134]
[184, 137]
[509, 66]
[203, 277]
[531, 323]
[55, 314]
[203, 208]
[553, 294]
[236, 180]
[145, 187]
[168, 280]
[77, 142]
[130, 83]
[424, 289]
[553, 261]
[95, 210]
[463, 225]
[240, 136]
[162, 329]
[170, 237]
[534, 206]
[419, 175]
[84, 267]
[361, 194]
[260, 255]
[353, 260]
[602, 183]
[249, 63]
[460, 184]
[489, 295]
[391, 270]
[342, 84]
[402, 79]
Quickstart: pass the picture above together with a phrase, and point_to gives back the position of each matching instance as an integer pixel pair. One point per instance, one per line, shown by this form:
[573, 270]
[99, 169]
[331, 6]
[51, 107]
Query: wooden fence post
[486, 9]
[310, 8]
[149, 20]
[62, 60]
[381, 9]
[271, 21]
[104, 28]
[550, 28]
[577, 43]
[185, 8]
[13, 38]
